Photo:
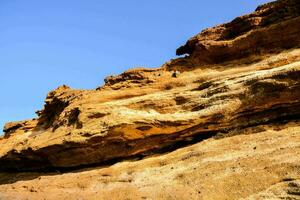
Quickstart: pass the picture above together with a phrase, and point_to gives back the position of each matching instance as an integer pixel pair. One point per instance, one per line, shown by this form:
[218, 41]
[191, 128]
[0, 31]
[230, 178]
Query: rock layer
[239, 78]
[260, 32]
[144, 111]
[71, 133]
[251, 166]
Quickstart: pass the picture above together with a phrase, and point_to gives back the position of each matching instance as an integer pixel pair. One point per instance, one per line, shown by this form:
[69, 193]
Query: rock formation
[231, 110]
[260, 32]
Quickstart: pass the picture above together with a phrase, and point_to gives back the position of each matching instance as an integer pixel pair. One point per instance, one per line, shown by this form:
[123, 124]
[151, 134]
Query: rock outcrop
[264, 165]
[260, 32]
[238, 79]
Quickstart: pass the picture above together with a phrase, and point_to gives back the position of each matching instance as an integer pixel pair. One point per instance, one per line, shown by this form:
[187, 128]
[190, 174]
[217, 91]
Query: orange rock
[145, 111]
[238, 90]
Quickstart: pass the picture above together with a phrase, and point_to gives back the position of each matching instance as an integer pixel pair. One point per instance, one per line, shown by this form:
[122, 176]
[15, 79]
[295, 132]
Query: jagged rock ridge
[257, 33]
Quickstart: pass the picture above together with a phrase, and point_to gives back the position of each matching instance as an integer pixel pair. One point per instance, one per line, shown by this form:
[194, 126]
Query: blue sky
[44, 44]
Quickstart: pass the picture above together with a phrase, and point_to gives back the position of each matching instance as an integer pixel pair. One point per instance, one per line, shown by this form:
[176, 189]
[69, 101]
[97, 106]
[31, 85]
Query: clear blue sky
[47, 43]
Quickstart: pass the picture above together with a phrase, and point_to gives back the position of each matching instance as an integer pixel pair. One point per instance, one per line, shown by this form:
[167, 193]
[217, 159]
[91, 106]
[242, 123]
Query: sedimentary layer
[144, 111]
[222, 122]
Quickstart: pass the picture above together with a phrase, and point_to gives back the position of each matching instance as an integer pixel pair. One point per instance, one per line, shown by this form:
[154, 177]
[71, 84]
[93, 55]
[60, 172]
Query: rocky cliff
[222, 122]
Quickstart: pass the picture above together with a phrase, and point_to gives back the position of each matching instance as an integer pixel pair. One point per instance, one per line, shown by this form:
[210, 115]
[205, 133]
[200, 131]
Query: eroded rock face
[133, 77]
[240, 78]
[143, 111]
[88, 131]
[260, 32]
[261, 163]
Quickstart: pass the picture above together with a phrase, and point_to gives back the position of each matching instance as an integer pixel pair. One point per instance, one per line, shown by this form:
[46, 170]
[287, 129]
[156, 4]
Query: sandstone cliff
[231, 108]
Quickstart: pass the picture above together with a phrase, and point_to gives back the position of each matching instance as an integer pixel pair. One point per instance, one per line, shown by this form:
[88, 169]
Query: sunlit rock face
[220, 123]
[271, 28]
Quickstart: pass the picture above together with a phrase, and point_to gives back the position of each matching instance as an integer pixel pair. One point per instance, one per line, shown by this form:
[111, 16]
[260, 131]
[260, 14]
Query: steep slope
[239, 86]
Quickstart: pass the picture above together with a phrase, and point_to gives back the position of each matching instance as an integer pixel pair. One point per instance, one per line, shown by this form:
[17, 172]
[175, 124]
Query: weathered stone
[254, 34]
[238, 89]
[143, 112]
